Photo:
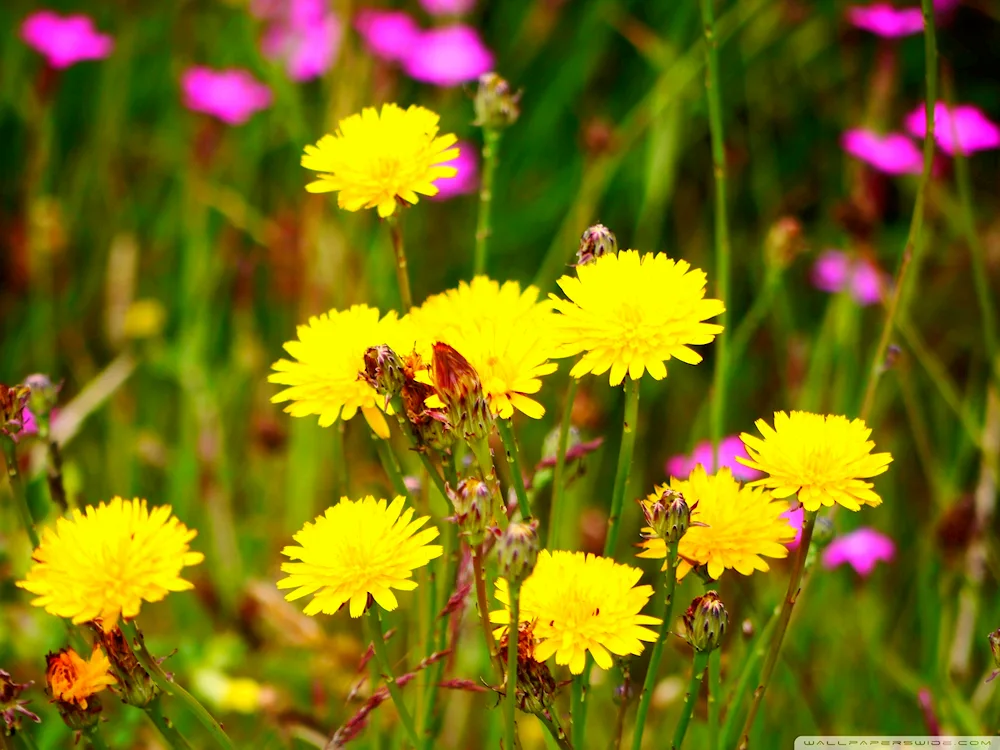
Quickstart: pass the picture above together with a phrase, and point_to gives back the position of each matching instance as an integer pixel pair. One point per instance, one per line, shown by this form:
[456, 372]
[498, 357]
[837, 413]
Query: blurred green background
[112, 193]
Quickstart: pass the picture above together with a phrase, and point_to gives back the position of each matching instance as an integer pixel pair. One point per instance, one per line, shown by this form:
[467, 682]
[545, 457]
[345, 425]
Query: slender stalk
[374, 620]
[578, 703]
[390, 462]
[666, 613]
[624, 464]
[691, 698]
[17, 487]
[341, 471]
[402, 270]
[551, 722]
[165, 684]
[92, 736]
[441, 637]
[27, 740]
[714, 696]
[774, 649]
[484, 613]
[712, 85]
[510, 704]
[755, 315]
[506, 429]
[54, 469]
[750, 665]
[626, 688]
[914, 242]
[174, 739]
[556, 506]
[491, 144]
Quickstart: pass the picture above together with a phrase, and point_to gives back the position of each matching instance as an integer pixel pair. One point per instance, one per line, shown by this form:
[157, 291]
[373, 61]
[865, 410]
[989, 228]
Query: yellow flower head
[70, 679]
[582, 603]
[328, 356]
[355, 550]
[631, 313]
[742, 525]
[503, 333]
[102, 564]
[374, 160]
[823, 458]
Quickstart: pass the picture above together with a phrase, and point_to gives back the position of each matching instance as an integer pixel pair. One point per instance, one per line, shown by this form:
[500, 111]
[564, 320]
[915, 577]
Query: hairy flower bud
[11, 707]
[461, 393]
[383, 372]
[596, 241]
[471, 501]
[706, 621]
[135, 686]
[495, 104]
[517, 550]
[12, 403]
[669, 515]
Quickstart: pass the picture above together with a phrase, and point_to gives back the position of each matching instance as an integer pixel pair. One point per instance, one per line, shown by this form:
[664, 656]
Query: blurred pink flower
[892, 153]
[231, 95]
[861, 549]
[29, 425]
[795, 518]
[946, 6]
[448, 7]
[65, 40]
[729, 448]
[448, 56]
[884, 20]
[975, 132]
[467, 179]
[388, 34]
[835, 271]
[305, 34]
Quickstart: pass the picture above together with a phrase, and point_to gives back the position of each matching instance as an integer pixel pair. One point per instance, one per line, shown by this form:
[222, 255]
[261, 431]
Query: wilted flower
[231, 95]
[448, 56]
[389, 34]
[973, 130]
[892, 153]
[835, 271]
[706, 621]
[459, 393]
[74, 682]
[861, 549]
[536, 688]
[65, 40]
[12, 708]
[886, 21]
[135, 687]
[704, 455]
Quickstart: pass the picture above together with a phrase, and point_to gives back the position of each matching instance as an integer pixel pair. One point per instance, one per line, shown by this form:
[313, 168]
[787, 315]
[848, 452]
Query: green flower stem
[712, 85]
[390, 462]
[557, 509]
[441, 638]
[578, 703]
[691, 698]
[624, 464]
[510, 702]
[374, 620]
[174, 739]
[648, 685]
[166, 685]
[750, 665]
[551, 722]
[755, 315]
[402, 270]
[54, 470]
[92, 737]
[491, 144]
[17, 487]
[914, 243]
[714, 693]
[27, 740]
[774, 648]
[479, 571]
[506, 429]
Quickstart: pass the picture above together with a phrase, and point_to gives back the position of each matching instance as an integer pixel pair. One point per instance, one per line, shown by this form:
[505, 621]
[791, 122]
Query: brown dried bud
[430, 425]
[461, 392]
[495, 104]
[135, 686]
[536, 688]
[73, 684]
[12, 403]
[11, 707]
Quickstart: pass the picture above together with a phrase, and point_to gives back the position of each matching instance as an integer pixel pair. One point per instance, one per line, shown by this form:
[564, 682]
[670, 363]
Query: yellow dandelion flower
[630, 314]
[822, 458]
[580, 603]
[102, 564]
[356, 550]
[71, 679]
[742, 525]
[376, 159]
[502, 332]
[328, 356]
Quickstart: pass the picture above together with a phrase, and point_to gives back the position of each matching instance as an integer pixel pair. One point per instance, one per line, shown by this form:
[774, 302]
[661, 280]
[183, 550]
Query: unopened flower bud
[73, 684]
[668, 515]
[596, 241]
[12, 403]
[11, 707]
[706, 621]
[383, 372]
[471, 501]
[495, 104]
[135, 686]
[44, 393]
[823, 533]
[461, 392]
[517, 550]
[784, 242]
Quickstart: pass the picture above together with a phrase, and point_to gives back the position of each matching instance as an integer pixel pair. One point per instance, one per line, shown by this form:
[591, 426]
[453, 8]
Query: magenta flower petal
[65, 40]
[302, 33]
[834, 271]
[795, 518]
[892, 153]
[831, 271]
[884, 20]
[868, 283]
[467, 179]
[729, 448]
[974, 130]
[390, 35]
[860, 549]
[448, 56]
[231, 95]
[943, 7]
[448, 7]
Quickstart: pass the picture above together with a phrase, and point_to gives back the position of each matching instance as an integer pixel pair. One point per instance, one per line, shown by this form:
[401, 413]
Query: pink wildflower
[886, 21]
[975, 132]
[65, 40]
[835, 271]
[448, 7]
[729, 448]
[861, 549]
[448, 56]
[892, 153]
[305, 34]
[390, 35]
[231, 95]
